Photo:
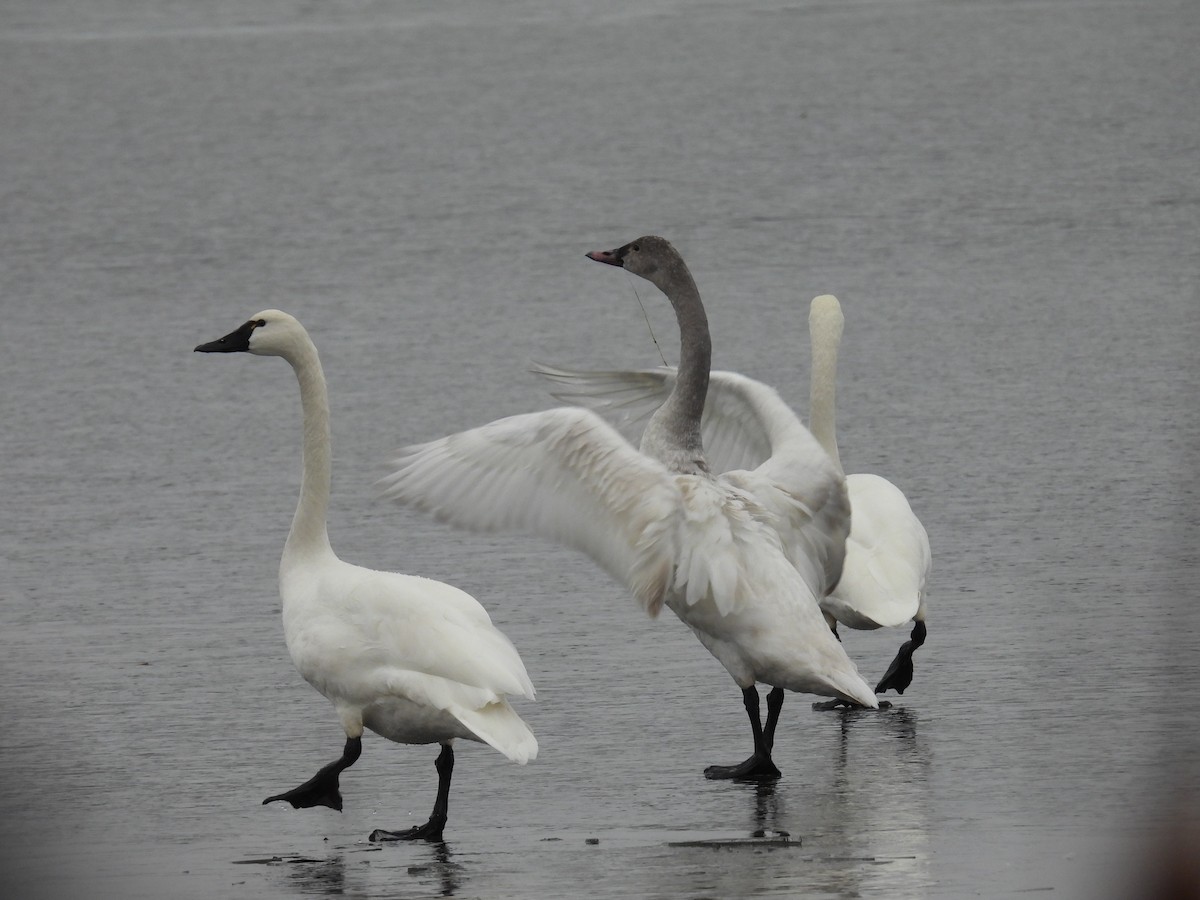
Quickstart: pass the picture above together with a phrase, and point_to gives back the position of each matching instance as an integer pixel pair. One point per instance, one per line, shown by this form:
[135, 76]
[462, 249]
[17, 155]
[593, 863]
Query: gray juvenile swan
[659, 521]
[887, 559]
[412, 659]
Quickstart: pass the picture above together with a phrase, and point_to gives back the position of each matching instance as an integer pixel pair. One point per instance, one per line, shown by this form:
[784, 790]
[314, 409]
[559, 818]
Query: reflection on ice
[432, 871]
[878, 806]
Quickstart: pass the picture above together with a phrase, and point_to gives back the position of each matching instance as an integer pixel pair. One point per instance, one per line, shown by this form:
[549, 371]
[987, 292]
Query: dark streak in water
[277, 860]
[738, 842]
[274, 860]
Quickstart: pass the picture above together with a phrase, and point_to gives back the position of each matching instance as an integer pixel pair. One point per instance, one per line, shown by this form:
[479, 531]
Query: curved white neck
[309, 536]
[673, 432]
[825, 332]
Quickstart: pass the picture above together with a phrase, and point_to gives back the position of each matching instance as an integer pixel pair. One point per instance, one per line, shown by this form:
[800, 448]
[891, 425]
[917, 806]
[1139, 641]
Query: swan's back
[888, 558]
[359, 623]
[721, 534]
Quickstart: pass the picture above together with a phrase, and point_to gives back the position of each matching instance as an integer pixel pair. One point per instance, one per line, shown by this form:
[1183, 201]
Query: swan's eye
[635, 248]
[260, 323]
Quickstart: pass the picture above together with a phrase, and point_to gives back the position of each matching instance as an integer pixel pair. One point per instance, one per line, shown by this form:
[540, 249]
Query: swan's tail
[851, 686]
[499, 725]
[832, 673]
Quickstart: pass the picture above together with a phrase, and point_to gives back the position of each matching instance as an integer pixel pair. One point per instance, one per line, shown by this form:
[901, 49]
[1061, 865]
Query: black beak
[234, 342]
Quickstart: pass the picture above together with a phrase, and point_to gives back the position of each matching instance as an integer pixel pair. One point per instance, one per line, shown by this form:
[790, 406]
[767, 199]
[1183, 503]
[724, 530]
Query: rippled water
[1003, 195]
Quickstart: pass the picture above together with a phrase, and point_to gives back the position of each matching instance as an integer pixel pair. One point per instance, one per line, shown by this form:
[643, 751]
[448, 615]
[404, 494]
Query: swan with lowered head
[887, 559]
[412, 659]
[887, 554]
[659, 521]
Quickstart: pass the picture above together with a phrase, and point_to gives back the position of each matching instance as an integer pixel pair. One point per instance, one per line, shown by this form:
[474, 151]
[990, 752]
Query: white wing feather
[564, 474]
[734, 435]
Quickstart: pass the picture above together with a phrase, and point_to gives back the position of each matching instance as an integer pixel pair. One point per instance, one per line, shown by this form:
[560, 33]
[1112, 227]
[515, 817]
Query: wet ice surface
[1003, 196]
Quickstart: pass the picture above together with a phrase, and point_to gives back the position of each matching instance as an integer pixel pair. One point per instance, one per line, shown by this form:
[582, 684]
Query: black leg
[900, 673]
[431, 830]
[774, 705]
[322, 788]
[758, 766]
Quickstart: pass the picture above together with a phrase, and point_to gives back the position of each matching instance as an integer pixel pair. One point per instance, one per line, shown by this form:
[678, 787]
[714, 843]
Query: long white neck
[825, 322]
[673, 433]
[309, 536]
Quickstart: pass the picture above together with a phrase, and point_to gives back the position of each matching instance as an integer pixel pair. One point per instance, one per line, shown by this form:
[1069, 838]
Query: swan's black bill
[234, 342]
[609, 257]
[900, 673]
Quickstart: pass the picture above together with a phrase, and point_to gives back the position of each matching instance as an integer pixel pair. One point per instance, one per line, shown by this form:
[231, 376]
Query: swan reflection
[881, 801]
[430, 870]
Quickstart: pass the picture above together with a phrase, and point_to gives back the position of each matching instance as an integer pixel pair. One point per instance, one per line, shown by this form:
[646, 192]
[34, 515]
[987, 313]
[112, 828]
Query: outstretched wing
[735, 435]
[564, 474]
[756, 440]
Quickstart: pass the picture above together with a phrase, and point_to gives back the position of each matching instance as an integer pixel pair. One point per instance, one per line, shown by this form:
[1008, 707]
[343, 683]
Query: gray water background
[1004, 195]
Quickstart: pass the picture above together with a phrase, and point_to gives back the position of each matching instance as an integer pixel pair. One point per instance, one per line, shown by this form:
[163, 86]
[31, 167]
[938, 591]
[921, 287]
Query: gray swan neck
[673, 433]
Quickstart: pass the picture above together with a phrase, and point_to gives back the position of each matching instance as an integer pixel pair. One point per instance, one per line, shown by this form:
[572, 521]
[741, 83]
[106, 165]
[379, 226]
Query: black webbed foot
[838, 703]
[430, 831]
[835, 703]
[756, 768]
[322, 788]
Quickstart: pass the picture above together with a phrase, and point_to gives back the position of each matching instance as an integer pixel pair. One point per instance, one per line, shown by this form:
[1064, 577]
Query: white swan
[414, 660]
[887, 559]
[659, 521]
